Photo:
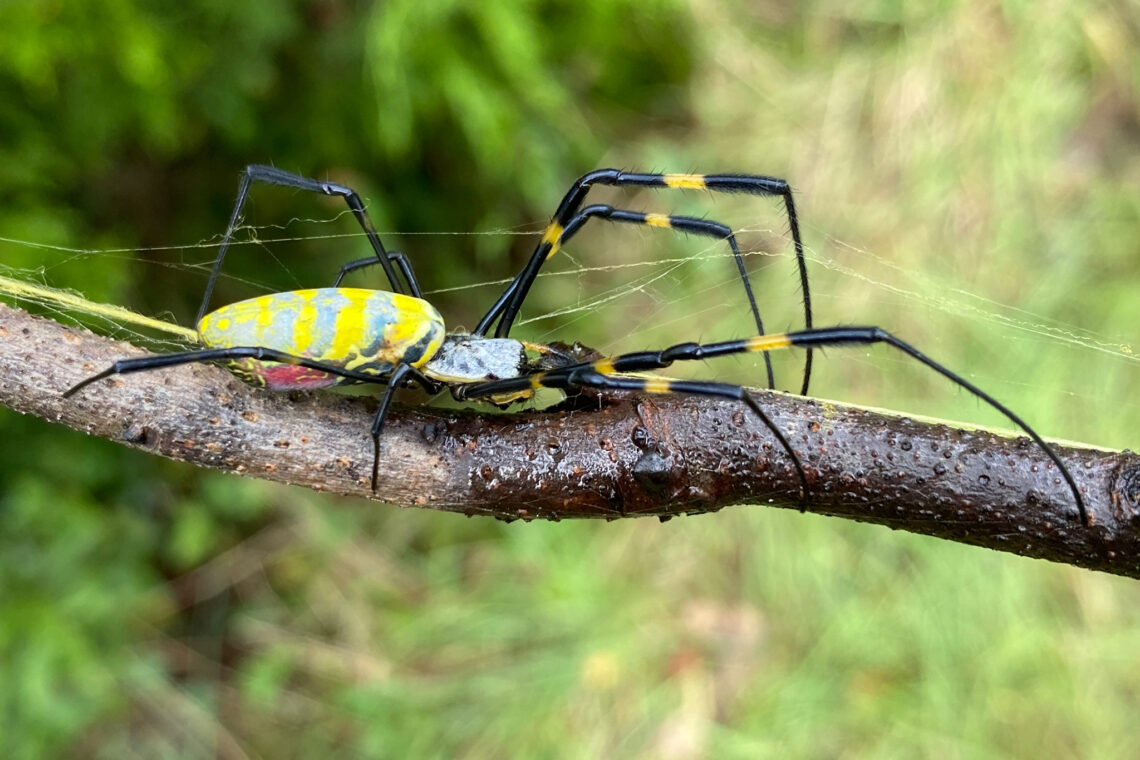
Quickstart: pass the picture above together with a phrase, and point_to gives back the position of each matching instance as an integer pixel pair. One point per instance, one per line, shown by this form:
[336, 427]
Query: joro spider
[323, 337]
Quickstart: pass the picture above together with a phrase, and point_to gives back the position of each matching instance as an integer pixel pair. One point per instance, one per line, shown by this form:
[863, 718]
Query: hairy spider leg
[511, 301]
[393, 380]
[687, 224]
[274, 176]
[600, 374]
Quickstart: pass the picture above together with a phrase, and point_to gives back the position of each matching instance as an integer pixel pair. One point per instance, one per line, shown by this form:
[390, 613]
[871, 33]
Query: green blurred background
[967, 175]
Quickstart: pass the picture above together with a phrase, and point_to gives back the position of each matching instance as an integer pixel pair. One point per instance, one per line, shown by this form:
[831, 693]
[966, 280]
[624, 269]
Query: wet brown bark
[622, 456]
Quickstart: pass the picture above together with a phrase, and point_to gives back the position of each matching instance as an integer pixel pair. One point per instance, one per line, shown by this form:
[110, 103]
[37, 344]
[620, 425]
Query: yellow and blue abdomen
[367, 331]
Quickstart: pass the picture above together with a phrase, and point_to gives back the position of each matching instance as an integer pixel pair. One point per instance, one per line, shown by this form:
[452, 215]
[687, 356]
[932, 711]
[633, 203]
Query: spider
[323, 337]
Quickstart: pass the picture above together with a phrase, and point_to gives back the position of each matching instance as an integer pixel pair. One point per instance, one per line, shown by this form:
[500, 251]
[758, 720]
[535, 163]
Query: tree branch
[625, 456]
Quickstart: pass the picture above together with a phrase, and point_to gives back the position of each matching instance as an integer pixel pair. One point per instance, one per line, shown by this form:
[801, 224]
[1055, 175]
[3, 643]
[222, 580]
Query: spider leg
[273, 176]
[599, 375]
[592, 379]
[509, 303]
[686, 224]
[260, 353]
[398, 258]
[393, 380]
[828, 336]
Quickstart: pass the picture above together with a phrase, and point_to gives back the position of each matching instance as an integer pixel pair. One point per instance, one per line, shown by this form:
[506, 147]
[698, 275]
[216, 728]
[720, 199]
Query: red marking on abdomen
[290, 377]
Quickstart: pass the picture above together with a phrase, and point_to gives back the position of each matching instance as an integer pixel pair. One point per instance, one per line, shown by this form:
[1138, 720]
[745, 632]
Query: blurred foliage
[967, 176]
